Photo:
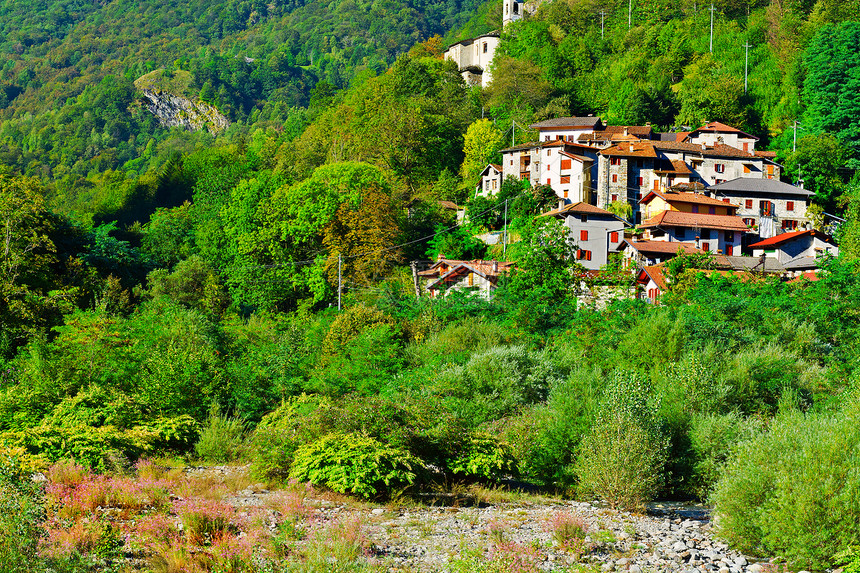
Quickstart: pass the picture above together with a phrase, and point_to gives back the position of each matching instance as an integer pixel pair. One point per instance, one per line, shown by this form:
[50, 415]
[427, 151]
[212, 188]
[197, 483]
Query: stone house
[595, 232]
[649, 253]
[569, 168]
[490, 181]
[768, 205]
[477, 276]
[567, 128]
[681, 216]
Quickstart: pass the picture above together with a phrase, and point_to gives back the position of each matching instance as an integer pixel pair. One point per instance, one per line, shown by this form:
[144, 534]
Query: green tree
[481, 146]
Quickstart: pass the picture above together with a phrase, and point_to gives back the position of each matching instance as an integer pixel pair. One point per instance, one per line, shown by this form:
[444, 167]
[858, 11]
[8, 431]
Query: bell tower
[511, 11]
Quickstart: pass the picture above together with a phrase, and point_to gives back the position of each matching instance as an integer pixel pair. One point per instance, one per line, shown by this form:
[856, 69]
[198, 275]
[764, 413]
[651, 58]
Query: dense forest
[174, 293]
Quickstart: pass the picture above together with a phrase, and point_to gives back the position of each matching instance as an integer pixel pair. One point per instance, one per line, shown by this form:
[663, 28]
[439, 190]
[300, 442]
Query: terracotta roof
[810, 276]
[685, 197]
[678, 167]
[751, 185]
[578, 208]
[696, 220]
[765, 154]
[718, 127]
[691, 186]
[496, 167]
[633, 149]
[786, 237]
[637, 130]
[664, 247]
[479, 266]
[679, 146]
[588, 121]
[655, 273]
[577, 157]
[450, 205]
[565, 143]
[723, 150]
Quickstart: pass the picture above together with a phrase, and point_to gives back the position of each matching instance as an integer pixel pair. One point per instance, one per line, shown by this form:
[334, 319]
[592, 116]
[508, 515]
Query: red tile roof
[718, 127]
[657, 274]
[765, 154]
[696, 220]
[479, 266]
[588, 121]
[631, 149]
[786, 237]
[686, 197]
[810, 276]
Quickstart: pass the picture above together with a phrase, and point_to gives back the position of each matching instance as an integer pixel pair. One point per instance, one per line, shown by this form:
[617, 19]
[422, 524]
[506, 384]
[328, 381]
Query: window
[485, 47]
[789, 224]
[746, 147]
[719, 167]
[548, 152]
[585, 218]
[695, 208]
[565, 179]
[718, 181]
[730, 249]
[512, 162]
[712, 210]
[656, 184]
[789, 205]
[640, 181]
[565, 164]
[706, 247]
[546, 138]
[680, 232]
[524, 176]
[494, 183]
[565, 193]
[748, 203]
[749, 221]
[548, 181]
[730, 236]
[615, 178]
[613, 237]
[587, 255]
[583, 235]
[487, 184]
[614, 197]
[746, 168]
[614, 161]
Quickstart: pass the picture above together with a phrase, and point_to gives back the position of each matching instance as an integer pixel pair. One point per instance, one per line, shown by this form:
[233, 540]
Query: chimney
[626, 131]
[495, 266]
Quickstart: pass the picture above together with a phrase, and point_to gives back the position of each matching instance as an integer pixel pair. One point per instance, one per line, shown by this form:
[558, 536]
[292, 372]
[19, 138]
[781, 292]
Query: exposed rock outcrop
[174, 111]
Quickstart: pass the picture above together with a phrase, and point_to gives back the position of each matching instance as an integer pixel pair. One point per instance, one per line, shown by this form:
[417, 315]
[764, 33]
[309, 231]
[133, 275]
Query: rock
[634, 569]
[755, 568]
[740, 561]
[174, 111]
[377, 511]
[679, 546]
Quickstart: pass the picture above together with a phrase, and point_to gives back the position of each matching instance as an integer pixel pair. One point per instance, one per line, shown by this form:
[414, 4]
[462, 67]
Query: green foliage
[21, 515]
[221, 438]
[484, 457]
[351, 463]
[794, 489]
[481, 146]
[621, 459]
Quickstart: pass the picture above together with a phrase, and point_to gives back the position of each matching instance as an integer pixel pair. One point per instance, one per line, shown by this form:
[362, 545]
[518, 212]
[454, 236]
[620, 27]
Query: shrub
[484, 457]
[622, 457]
[351, 463]
[21, 516]
[222, 438]
[712, 437]
[795, 490]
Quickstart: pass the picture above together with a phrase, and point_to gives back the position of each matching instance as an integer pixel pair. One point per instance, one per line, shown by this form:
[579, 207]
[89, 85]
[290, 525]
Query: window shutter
[613, 237]
[583, 235]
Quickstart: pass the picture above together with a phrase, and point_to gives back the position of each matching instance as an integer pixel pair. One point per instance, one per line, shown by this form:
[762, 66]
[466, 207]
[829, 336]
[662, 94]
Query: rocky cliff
[175, 111]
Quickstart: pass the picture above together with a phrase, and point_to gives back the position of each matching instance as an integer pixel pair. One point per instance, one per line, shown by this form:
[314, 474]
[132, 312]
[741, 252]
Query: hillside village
[644, 196]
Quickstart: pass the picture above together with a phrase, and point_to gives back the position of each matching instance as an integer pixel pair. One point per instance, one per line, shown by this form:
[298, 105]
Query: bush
[712, 438]
[222, 439]
[351, 463]
[622, 457]
[795, 490]
[484, 457]
[21, 516]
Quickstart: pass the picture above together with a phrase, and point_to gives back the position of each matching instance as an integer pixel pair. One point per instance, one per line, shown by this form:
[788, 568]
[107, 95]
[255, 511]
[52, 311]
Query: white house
[490, 181]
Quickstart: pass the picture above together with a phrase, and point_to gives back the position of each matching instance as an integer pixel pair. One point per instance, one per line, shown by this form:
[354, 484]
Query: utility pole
[746, 63]
[339, 279]
[629, 14]
[513, 132]
[794, 143]
[602, 14]
[505, 236]
[711, 45]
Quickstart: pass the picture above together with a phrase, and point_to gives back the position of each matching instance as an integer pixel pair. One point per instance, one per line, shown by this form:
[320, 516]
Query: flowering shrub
[205, 519]
[569, 530]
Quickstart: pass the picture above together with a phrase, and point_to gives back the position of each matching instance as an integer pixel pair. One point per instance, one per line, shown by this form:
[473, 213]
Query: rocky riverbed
[446, 535]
